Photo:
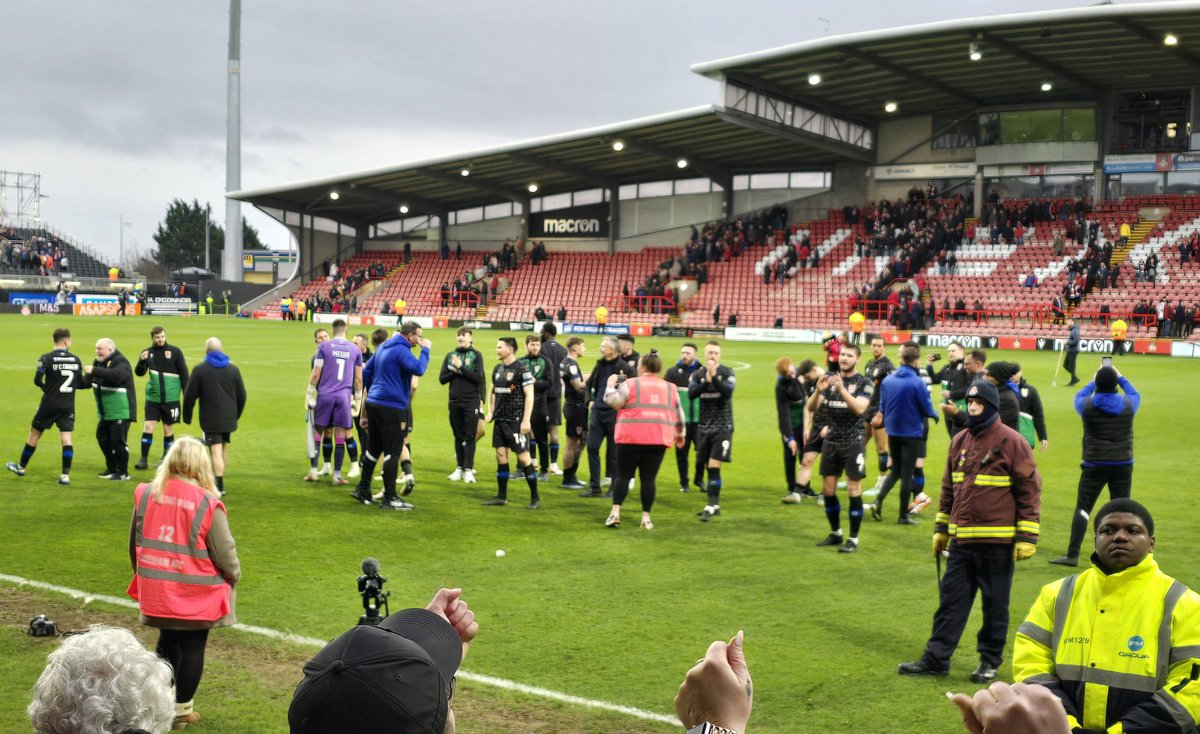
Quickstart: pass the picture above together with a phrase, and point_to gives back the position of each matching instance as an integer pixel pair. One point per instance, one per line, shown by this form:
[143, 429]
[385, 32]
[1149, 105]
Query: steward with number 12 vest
[184, 558]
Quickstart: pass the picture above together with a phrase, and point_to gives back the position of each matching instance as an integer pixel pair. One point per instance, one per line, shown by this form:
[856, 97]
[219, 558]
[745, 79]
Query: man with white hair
[116, 407]
[218, 386]
[103, 681]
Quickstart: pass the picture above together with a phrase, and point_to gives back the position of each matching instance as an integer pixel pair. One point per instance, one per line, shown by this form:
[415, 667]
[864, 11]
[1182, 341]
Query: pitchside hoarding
[580, 222]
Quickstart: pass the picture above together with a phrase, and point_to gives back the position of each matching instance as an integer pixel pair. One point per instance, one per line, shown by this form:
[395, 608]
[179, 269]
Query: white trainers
[554, 470]
[355, 471]
[792, 498]
[377, 496]
[311, 476]
[606, 482]
[468, 476]
[64, 479]
[456, 475]
[920, 503]
[326, 470]
[632, 483]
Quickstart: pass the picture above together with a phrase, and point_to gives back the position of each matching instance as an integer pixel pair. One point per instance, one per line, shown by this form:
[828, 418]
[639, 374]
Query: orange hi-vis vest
[175, 578]
[650, 414]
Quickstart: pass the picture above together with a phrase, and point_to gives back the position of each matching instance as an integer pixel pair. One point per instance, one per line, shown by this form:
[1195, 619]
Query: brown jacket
[991, 490]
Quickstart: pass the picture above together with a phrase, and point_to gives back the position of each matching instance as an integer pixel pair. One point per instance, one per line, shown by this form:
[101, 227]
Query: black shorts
[168, 413]
[408, 421]
[212, 439]
[554, 411]
[507, 435]
[814, 443]
[717, 446]
[45, 417]
[838, 459]
[576, 417]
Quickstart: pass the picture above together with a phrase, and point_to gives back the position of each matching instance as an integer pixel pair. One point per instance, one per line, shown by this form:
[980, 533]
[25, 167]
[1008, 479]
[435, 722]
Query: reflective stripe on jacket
[175, 577]
[650, 413]
[1121, 650]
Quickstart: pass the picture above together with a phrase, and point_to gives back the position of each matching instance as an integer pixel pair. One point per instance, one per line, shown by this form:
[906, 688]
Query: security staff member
[116, 404]
[164, 390]
[990, 505]
[1107, 449]
[1118, 644]
[463, 371]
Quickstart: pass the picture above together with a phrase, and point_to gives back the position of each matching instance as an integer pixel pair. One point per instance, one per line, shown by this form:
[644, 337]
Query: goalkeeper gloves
[356, 405]
[310, 397]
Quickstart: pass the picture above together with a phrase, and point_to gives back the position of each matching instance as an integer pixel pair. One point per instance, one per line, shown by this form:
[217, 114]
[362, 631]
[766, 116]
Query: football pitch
[608, 615]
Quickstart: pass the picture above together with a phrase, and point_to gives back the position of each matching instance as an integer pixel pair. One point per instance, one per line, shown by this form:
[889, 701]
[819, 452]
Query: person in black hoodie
[218, 387]
[116, 405]
[463, 371]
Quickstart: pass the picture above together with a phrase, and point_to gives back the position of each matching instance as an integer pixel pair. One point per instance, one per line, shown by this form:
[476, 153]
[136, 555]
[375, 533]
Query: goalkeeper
[990, 503]
[335, 383]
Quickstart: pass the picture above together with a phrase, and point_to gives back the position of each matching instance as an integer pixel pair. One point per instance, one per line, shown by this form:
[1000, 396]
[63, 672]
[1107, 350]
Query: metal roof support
[595, 178]
[614, 218]
[470, 182]
[911, 74]
[710, 169]
[865, 155]
[757, 83]
[1058, 70]
[726, 185]
[524, 233]
[413, 201]
[1143, 32]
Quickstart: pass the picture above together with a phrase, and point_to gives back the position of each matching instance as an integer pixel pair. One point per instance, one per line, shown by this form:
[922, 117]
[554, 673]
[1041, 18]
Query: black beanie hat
[1125, 505]
[986, 392]
[1003, 371]
[1106, 379]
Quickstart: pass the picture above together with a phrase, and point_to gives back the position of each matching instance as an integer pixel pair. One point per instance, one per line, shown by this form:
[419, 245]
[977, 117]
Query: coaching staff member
[116, 405]
[389, 376]
[990, 504]
[1118, 644]
[1107, 449]
[217, 385]
[603, 421]
[905, 406]
[164, 390]
[463, 371]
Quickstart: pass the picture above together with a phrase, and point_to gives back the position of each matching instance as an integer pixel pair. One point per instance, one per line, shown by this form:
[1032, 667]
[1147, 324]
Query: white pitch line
[486, 680]
[741, 365]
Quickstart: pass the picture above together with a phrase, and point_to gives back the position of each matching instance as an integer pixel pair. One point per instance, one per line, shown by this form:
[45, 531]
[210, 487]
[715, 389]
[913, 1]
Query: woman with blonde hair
[185, 564]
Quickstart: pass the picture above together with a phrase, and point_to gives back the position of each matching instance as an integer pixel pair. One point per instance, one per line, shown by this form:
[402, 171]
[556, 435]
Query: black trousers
[1091, 481]
[602, 424]
[681, 456]
[385, 433]
[539, 423]
[1069, 363]
[112, 437]
[184, 650]
[645, 460]
[988, 569]
[464, 422]
[904, 453]
[790, 460]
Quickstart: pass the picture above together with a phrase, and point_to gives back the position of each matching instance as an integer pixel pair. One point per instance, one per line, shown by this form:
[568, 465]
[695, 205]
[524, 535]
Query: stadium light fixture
[465, 172]
[814, 79]
[682, 163]
[1047, 86]
[890, 107]
[618, 146]
[1170, 40]
[1172, 129]
[404, 208]
[974, 52]
[334, 195]
[533, 188]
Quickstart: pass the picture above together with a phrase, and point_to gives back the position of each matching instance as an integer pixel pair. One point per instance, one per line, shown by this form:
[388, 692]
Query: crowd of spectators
[340, 296]
[34, 255]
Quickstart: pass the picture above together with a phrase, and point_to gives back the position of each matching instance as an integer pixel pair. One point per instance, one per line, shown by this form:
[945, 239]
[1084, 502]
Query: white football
[500, 553]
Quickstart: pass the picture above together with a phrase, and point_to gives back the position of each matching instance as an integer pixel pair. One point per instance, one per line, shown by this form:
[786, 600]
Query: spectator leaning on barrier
[1107, 449]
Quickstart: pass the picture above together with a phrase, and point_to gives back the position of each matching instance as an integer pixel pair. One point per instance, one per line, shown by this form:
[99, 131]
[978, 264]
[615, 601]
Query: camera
[42, 626]
[370, 587]
[936, 357]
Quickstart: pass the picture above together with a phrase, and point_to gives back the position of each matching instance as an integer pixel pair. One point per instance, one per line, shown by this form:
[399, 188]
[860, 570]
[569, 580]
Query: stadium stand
[40, 252]
[357, 277]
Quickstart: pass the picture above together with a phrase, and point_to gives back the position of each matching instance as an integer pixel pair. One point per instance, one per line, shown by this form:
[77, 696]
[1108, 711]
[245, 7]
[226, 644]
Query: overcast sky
[120, 105]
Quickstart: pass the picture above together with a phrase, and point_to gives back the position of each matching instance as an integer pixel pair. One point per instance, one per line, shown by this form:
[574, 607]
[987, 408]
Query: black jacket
[165, 360]
[468, 384]
[221, 393]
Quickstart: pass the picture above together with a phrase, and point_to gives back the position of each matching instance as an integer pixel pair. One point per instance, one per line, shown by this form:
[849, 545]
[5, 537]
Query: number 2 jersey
[59, 374]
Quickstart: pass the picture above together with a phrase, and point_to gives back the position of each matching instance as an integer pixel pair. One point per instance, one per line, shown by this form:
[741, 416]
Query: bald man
[116, 407]
[218, 386]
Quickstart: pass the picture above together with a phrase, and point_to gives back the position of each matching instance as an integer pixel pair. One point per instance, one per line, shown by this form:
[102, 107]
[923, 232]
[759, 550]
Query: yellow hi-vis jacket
[1121, 650]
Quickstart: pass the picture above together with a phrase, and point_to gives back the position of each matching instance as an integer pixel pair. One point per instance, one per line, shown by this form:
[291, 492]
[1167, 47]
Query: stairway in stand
[1136, 237]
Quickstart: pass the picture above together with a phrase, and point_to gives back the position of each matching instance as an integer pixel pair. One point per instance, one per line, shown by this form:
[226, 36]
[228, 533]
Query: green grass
[574, 607]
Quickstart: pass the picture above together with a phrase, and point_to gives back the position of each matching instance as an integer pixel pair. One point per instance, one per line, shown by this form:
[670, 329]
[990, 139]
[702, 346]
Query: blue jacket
[905, 403]
[388, 374]
[1110, 402]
